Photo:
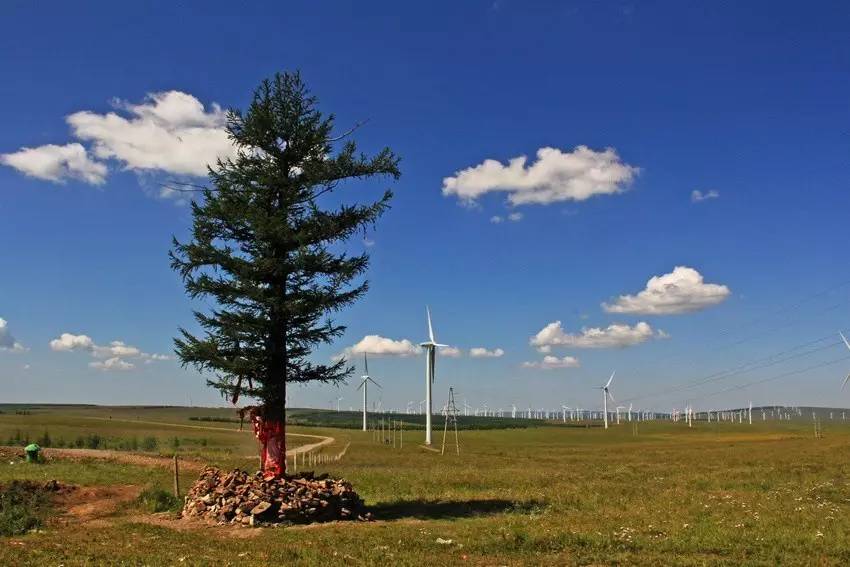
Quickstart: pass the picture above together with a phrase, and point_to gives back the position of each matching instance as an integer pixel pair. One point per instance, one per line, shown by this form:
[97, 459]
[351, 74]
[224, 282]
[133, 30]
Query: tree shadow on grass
[448, 509]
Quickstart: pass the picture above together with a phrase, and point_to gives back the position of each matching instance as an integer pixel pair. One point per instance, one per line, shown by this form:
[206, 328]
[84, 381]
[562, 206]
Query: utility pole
[451, 414]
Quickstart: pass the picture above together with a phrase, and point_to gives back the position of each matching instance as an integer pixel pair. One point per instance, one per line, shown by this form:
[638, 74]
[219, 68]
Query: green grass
[717, 494]
[85, 472]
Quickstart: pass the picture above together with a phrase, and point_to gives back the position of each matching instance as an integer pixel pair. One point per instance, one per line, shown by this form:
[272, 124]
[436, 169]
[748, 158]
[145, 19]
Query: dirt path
[307, 448]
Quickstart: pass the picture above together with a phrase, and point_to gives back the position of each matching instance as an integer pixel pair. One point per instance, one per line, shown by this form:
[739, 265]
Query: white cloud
[116, 348]
[155, 357]
[698, 196]
[450, 351]
[555, 176]
[109, 357]
[614, 336]
[112, 364]
[382, 346]
[7, 341]
[512, 217]
[481, 352]
[681, 291]
[170, 132]
[551, 362]
[69, 342]
[56, 163]
[368, 242]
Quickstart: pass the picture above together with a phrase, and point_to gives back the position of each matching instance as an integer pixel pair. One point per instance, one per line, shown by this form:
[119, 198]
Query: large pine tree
[265, 250]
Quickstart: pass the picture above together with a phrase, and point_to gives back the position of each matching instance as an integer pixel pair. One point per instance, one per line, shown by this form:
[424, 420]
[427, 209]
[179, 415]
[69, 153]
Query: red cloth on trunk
[271, 436]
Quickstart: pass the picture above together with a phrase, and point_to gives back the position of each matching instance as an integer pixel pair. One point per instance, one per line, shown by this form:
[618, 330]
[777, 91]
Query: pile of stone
[238, 497]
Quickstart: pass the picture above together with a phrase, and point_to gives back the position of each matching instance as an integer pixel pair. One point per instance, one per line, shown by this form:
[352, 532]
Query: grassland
[725, 494]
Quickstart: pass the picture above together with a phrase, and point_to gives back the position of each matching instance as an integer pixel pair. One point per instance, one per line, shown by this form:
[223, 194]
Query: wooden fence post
[176, 478]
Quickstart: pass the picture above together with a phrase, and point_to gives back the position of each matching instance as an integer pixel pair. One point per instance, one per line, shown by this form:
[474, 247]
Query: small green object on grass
[32, 451]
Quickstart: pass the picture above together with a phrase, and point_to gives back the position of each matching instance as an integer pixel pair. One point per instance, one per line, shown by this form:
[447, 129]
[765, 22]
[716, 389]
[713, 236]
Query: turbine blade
[366, 363]
[430, 328]
[845, 381]
[844, 339]
[610, 396]
[375, 383]
[610, 379]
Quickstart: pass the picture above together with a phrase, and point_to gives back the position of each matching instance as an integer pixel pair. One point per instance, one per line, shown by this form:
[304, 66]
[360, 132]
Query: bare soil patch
[93, 505]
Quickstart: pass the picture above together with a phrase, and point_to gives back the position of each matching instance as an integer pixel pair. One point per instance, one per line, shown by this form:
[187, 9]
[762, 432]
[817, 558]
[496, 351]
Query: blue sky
[747, 104]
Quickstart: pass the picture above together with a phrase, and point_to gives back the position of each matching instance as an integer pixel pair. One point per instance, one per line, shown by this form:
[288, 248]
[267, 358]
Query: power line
[778, 376]
[758, 364]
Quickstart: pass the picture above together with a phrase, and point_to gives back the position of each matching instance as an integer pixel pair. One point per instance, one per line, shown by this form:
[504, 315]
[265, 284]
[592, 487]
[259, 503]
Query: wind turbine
[606, 393]
[364, 384]
[430, 347]
[337, 403]
[848, 346]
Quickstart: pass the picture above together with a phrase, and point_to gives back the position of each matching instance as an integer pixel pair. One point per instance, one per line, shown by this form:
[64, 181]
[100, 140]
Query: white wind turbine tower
[430, 347]
[618, 413]
[606, 393]
[848, 346]
[364, 384]
[337, 402]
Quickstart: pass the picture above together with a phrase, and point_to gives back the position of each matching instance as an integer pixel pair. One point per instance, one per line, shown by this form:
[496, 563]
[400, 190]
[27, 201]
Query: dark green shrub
[158, 500]
[22, 506]
[45, 440]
